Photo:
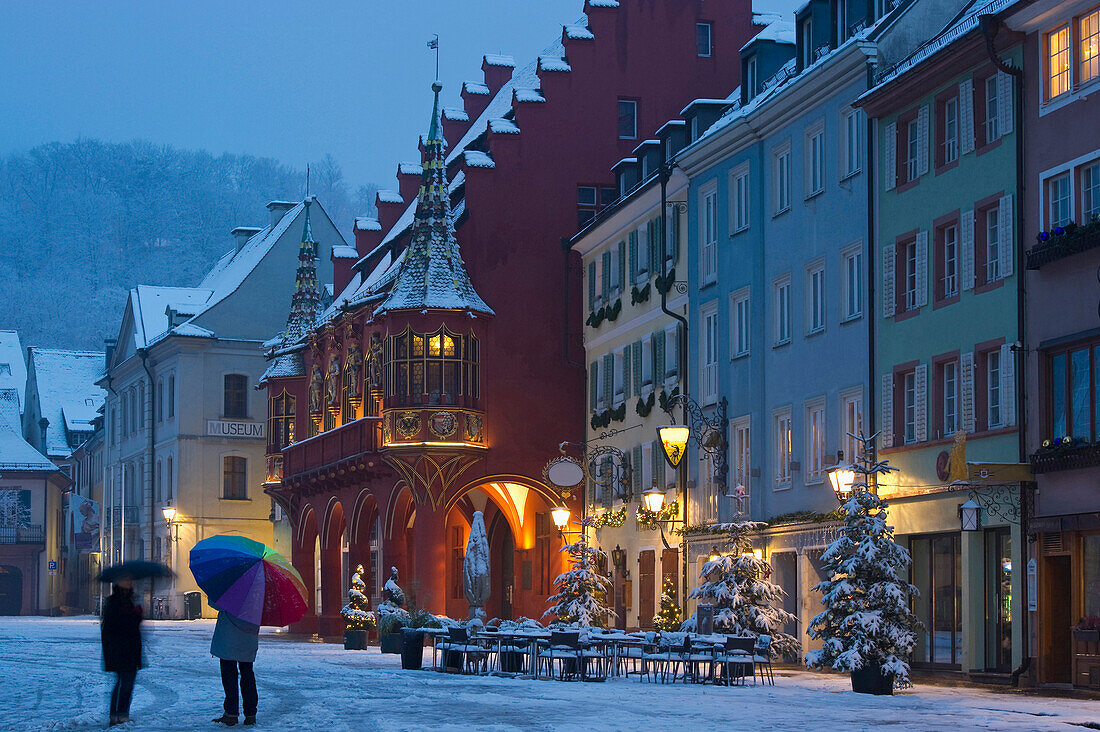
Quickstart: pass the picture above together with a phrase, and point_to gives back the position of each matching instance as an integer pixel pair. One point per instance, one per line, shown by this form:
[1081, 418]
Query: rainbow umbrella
[248, 580]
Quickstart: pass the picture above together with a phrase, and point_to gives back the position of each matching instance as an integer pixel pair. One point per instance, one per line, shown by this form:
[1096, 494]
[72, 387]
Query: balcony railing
[1073, 240]
[29, 534]
[1065, 457]
[347, 441]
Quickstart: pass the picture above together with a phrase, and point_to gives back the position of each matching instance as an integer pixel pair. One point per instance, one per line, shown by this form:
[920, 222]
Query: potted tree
[392, 616]
[358, 620]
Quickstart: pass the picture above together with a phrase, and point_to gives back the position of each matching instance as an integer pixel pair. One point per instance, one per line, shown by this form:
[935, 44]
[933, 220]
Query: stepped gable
[432, 274]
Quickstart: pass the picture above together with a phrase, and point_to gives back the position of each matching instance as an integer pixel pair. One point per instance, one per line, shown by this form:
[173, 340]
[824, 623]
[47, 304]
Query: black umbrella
[133, 569]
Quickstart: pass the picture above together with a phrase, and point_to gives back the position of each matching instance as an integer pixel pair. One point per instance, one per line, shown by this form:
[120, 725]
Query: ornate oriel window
[280, 421]
[435, 368]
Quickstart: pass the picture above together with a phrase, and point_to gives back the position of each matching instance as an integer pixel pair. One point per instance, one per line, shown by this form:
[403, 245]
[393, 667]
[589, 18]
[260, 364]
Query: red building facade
[394, 418]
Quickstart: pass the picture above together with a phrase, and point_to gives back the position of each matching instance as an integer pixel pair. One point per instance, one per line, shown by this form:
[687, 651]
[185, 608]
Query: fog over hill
[83, 222]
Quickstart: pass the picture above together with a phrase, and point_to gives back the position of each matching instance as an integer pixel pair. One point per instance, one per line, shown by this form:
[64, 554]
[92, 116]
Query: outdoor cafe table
[520, 636]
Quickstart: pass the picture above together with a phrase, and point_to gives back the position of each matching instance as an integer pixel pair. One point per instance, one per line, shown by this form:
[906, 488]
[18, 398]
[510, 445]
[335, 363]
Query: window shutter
[922, 268]
[1008, 385]
[593, 384]
[890, 157]
[966, 116]
[920, 386]
[605, 278]
[626, 372]
[887, 410]
[637, 463]
[658, 465]
[621, 284]
[966, 384]
[922, 140]
[654, 247]
[638, 368]
[658, 357]
[889, 297]
[966, 250]
[674, 235]
[592, 285]
[1007, 249]
[673, 365]
[1005, 108]
[643, 251]
[608, 378]
[659, 238]
[633, 238]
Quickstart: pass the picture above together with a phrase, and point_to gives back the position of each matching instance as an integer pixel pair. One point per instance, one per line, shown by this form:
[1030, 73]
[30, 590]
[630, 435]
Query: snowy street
[50, 669]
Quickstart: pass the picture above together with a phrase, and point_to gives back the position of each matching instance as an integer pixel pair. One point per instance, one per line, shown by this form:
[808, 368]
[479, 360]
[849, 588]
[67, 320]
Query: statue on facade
[375, 360]
[315, 387]
[354, 364]
[332, 380]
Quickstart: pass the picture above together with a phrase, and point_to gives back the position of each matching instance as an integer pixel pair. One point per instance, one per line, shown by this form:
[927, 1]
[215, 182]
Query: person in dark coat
[235, 642]
[120, 633]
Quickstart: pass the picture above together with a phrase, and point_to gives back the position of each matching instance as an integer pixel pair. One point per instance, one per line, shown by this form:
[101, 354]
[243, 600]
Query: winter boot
[249, 720]
[227, 720]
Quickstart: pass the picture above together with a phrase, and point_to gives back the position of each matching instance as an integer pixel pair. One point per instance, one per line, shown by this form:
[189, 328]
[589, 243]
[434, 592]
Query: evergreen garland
[644, 406]
[639, 296]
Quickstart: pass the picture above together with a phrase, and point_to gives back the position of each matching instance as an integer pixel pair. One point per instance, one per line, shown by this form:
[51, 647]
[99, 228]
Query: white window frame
[647, 364]
[949, 384]
[815, 297]
[950, 130]
[710, 38]
[1065, 178]
[992, 244]
[740, 199]
[950, 262]
[750, 77]
[1065, 76]
[816, 432]
[782, 430]
[852, 284]
[912, 277]
[1090, 191]
[708, 320]
[909, 407]
[782, 292]
[634, 104]
[912, 150]
[851, 416]
[815, 160]
[994, 409]
[782, 168]
[618, 386]
[741, 432]
[1093, 17]
[708, 234]
[740, 323]
[851, 142]
[992, 109]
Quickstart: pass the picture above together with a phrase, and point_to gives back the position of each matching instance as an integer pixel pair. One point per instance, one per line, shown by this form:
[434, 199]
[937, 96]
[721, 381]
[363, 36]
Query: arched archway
[334, 575]
[303, 551]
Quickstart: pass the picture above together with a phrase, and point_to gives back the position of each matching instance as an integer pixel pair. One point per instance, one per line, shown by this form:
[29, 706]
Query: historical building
[946, 335]
[632, 350]
[184, 423]
[13, 365]
[1059, 213]
[395, 477]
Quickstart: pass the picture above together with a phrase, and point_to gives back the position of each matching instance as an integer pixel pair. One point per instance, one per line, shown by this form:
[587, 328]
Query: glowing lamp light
[843, 477]
[654, 499]
[674, 440]
[169, 513]
[714, 555]
[560, 516]
[971, 515]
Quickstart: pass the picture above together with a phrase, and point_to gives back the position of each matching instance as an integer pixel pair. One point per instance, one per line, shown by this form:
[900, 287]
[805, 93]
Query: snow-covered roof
[963, 24]
[410, 168]
[779, 30]
[478, 159]
[192, 331]
[497, 59]
[475, 87]
[457, 114]
[343, 251]
[13, 367]
[67, 392]
[16, 454]
[367, 223]
[286, 364]
[151, 304]
[388, 196]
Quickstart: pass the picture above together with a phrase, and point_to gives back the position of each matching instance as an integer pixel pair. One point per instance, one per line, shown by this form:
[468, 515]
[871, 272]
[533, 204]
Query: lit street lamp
[843, 477]
[970, 514]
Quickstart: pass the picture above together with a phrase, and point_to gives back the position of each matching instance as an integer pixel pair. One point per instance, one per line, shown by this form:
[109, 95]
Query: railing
[1049, 460]
[29, 534]
[355, 438]
[1057, 246]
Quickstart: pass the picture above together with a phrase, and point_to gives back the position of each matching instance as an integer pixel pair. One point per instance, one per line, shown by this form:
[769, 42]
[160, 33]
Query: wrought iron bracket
[708, 433]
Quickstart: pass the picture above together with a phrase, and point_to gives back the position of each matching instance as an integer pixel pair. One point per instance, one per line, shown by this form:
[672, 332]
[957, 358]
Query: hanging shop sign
[235, 429]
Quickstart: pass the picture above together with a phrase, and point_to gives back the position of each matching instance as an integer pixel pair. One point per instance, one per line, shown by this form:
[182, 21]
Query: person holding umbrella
[249, 584]
[120, 631]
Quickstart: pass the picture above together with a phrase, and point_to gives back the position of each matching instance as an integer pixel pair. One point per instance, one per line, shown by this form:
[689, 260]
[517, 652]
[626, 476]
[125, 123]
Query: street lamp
[843, 477]
[654, 499]
[169, 513]
[970, 514]
[560, 517]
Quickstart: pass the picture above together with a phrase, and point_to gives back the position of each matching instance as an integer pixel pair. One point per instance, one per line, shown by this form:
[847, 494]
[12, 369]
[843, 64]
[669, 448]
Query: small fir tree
[582, 591]
[867, 621]
[356, 614]
[737, 583]
[668, 619]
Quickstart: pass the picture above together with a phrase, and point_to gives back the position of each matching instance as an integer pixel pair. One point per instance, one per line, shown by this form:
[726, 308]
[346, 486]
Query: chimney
[368, 234]
[109, 347]
[389, 205]
[277, 209]
[409, 176]
[243, 234]
[497, 70]
[475, 98]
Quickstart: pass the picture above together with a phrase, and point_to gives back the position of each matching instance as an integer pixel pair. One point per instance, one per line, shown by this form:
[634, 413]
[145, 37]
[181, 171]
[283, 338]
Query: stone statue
[332, 380]
[315, 387]
[375, 360]
[354, 363]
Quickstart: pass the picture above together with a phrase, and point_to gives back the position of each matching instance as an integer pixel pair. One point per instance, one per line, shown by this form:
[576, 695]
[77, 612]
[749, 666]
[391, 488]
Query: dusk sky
[287, 80]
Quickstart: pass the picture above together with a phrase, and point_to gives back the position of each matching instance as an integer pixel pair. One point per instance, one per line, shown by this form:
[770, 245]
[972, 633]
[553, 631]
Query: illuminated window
[1090, 46]
[1058, 62]
[280, 421]
[783, 449]
[437, 368]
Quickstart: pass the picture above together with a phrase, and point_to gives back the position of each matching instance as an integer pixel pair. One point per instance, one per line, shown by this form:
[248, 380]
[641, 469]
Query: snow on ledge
[367, 223]
[386, 196]
[603, 3]
[503, 126]
[579, 33]
[343, 251]
[456, 114]
[478, 159]
[529, 95]
[475, 87]
[410, 168]
[493, 59]
[549, 63]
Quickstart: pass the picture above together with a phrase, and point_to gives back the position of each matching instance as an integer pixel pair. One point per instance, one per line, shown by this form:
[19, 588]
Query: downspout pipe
[989, 25]
[871, 250]
[151, 452]
[566, 250]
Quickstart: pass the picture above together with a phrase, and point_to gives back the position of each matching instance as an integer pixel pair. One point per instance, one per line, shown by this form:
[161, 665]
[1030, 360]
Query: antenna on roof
[307, 180]
[434, 45]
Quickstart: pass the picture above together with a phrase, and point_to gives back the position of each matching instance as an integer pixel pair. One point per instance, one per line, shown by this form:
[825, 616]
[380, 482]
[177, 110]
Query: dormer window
[694, 129]
[702, 39]
[841, 22]
[750, 78]
[806, 38]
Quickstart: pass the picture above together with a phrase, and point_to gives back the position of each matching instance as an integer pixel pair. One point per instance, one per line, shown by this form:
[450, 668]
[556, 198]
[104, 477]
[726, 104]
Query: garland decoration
[639, 296]
[610, 519]
[647, 519]
[644, 406]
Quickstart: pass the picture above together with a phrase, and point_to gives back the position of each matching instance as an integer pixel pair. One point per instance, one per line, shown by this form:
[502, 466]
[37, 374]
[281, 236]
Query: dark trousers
[248, 687]
[123, 691]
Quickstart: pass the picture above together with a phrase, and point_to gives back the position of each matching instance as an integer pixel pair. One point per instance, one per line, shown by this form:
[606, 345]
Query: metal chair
[565, 647]
[735, 658]
[762, 659]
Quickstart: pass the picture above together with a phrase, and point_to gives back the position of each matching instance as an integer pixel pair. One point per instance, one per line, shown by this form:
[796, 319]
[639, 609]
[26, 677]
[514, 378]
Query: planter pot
[412, 649]
[390, 642]
[871, 680]
[1086, 636]
[355, 639]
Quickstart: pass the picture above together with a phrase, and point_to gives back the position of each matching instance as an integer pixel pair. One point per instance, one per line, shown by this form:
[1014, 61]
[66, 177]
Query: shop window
[936, 573]
[998, 599]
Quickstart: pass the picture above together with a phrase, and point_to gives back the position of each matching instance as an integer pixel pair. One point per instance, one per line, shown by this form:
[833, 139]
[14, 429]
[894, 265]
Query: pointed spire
[433, 274]
[306, 301]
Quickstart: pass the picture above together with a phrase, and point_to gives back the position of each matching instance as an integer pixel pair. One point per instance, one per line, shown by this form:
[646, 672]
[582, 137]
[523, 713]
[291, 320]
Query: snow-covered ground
[51, 678]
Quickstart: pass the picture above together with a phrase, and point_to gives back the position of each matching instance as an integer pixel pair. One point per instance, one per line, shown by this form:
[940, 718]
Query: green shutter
[607, 477]
[593, 384]
[626, 372]
[592, 285]
[637, 358]
[654, 250]
[673, 366]
[657, 231]
[659, 465]
[609, 378]
[605, 279]
[658, 357]
[638, 487]
[622, 266]
[633, 239]
[674, 237]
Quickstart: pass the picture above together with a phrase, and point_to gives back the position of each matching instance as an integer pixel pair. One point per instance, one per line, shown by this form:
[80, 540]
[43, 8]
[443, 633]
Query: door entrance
[647, 561]
[507, 566]
[11, 590]
[1057, 619]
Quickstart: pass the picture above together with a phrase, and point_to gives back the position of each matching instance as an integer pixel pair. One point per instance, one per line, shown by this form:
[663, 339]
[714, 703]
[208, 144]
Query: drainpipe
[989, 25]
[681, 366]
[151, 455]
[870, 251]
[565, 250]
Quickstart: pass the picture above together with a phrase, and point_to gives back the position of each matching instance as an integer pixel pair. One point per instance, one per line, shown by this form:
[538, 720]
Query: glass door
[935, 572]
[998, 599]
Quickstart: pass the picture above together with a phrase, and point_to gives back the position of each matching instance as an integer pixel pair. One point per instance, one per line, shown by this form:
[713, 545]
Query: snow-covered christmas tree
[737, 583]
[668, 618]
[867, 622]
[356, 614]
[582, 591]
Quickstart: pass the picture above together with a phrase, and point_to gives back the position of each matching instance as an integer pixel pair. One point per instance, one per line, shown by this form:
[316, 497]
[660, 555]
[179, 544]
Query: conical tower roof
[432, 275]
[306, 301]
